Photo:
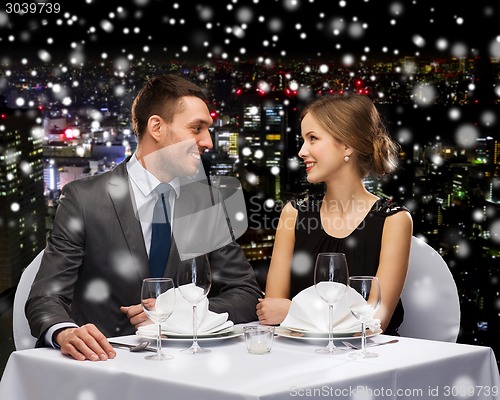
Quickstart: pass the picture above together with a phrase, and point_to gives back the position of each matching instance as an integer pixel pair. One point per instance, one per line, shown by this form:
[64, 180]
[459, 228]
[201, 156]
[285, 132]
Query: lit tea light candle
[258, 347]
[259, 339]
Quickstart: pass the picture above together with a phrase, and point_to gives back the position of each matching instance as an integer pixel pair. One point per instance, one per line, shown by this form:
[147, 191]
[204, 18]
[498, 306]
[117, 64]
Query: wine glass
[363, 301]
[194, 280]
[330, 280]
[158, 300]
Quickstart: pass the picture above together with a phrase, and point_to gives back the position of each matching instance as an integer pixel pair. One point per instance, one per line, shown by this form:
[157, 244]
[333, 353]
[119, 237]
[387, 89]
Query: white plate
[231, 332]
[295, 333]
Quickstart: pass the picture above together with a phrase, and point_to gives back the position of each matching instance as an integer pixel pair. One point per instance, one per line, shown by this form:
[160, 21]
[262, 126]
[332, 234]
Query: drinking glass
[158, 300]
[330, 280]
[194, 280]
[363, 302]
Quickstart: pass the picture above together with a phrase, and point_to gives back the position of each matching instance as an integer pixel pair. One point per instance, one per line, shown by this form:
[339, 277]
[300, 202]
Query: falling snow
[327, 43]
[302, 264]
[97, 291]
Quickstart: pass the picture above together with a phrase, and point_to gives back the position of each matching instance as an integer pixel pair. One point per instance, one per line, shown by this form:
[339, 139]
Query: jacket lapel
[121, 197]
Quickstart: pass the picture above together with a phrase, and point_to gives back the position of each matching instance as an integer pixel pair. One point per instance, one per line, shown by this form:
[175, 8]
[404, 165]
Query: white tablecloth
[411, 369]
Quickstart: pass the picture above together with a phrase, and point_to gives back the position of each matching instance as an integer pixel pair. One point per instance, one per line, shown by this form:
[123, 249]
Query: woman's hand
[272, 311]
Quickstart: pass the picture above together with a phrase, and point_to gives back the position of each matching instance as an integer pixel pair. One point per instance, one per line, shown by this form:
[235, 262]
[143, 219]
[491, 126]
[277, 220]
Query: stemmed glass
[194, 280]
[158, 300]
[330, 280]
[363, 302]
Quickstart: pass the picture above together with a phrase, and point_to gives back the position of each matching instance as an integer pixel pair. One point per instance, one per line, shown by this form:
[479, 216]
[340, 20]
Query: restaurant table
[410, 369]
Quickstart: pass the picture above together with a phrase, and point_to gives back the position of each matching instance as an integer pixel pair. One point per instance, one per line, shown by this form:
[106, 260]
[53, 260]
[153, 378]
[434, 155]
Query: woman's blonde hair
[353, 120]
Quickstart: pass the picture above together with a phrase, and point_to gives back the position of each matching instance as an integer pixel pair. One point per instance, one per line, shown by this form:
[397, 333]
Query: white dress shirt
[143, 184]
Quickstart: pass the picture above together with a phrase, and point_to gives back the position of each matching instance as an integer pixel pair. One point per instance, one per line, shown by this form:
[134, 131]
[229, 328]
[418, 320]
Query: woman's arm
[394, 259]
[273, 309]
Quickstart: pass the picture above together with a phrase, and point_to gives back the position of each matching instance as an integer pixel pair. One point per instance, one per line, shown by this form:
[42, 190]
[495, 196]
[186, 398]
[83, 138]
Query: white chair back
[22, 335]
[430, 297]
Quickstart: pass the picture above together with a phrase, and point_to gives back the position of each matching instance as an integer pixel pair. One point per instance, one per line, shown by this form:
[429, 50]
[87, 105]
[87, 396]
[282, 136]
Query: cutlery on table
[352, 346]
[134, 347]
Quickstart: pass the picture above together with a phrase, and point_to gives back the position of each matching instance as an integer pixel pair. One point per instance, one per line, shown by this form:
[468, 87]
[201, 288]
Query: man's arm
[51, 294]
[234, 287]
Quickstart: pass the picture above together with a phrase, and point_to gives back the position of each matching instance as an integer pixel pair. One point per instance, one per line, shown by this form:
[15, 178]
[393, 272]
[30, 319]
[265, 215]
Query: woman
[344, 141]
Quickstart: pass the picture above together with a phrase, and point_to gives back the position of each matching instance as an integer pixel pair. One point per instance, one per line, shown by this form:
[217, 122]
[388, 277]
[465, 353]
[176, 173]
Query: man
[88, 286]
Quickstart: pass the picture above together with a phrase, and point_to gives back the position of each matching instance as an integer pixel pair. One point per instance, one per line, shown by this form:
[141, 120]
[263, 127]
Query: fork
[352, 346]
[134, 348]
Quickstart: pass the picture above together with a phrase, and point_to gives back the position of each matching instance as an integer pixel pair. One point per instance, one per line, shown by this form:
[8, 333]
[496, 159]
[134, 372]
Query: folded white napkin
[181, 319]
[309, 312]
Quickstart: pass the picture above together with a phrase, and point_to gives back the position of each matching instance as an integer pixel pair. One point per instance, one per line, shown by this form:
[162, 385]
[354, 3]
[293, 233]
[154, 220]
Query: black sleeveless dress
[361, 247]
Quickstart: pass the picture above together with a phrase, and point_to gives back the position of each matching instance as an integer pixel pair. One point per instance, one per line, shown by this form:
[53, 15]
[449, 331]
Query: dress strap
[387, 207]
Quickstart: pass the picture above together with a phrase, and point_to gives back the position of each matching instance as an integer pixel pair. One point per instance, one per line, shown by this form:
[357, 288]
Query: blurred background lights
[442, 44]
[293, 164]
[348, 60]
[424, 94]
[258, 154]
[495, 231]
[404, 136]
[454, 114]
[418, 40]
[477, 215]
[488, 118]
[26, 167]
[466, 135]
[269, 204]
[252, 178]
[396, 8]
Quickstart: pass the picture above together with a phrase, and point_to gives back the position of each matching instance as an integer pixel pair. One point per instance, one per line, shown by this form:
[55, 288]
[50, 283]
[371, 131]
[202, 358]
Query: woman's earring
[346, 158]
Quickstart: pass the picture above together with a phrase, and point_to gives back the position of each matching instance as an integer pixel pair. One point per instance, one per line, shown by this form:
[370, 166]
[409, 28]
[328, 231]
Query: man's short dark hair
[161, 96]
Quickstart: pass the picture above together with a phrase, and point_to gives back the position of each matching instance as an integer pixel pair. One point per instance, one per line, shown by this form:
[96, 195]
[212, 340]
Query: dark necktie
[160, 232]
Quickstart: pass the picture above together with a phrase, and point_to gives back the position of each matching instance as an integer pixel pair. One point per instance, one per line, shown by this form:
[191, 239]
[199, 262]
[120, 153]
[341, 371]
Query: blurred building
[261, 141]
[22, 205]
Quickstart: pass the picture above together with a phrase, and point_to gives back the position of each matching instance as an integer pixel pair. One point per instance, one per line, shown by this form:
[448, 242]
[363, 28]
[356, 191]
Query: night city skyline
[260, 61]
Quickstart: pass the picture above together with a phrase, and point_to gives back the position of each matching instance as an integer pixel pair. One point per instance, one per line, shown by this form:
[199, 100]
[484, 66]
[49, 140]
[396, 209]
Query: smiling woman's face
[321, 153]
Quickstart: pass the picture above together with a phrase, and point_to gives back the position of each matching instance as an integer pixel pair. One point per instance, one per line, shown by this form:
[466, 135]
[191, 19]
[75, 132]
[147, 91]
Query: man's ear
[153, 127]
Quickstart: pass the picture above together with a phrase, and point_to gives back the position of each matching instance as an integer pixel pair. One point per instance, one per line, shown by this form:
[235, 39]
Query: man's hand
[136, 315]
[272, 311]
[84, 343]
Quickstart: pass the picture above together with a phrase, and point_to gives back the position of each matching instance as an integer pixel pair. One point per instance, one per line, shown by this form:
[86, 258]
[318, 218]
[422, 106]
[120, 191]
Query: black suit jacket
[95, 261]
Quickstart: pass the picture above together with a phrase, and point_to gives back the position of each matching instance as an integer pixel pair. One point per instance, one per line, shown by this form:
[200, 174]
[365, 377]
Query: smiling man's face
[192, 121]
[182, 141]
